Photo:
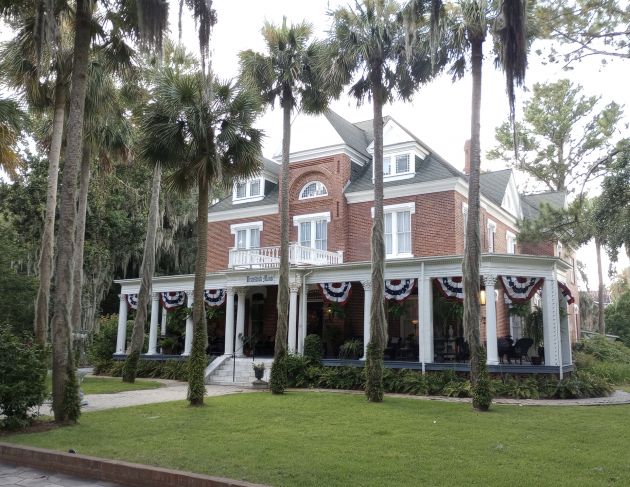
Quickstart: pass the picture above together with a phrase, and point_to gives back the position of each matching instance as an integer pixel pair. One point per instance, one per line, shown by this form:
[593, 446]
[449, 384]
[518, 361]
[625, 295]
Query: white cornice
[247, 212]
[320, 152]
[411, 189]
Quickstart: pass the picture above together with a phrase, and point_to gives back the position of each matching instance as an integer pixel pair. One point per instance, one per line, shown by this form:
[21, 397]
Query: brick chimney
[467, 157]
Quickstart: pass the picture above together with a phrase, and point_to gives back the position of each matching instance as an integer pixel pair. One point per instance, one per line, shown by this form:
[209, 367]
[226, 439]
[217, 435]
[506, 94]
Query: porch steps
[242, 371]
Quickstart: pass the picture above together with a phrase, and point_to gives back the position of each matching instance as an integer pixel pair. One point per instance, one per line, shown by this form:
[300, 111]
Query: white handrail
[265, 257]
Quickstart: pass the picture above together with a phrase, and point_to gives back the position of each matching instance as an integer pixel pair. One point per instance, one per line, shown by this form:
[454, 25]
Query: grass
[111, 385]
[312, 439]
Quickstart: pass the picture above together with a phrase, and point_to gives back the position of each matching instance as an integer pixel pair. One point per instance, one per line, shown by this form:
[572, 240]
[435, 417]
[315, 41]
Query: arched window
[313, 190]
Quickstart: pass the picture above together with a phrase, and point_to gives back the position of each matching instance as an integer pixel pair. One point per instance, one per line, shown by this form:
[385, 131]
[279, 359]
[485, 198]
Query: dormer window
[397, 166]
[251, 190]
[313, 190]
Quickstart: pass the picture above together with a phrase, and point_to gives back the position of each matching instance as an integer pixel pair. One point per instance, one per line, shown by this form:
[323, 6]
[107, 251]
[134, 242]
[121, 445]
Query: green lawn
[111, 385]
[307, 439]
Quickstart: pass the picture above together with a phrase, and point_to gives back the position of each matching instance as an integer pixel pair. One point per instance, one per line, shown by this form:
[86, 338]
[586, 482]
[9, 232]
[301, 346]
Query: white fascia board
[411, 146]
[409, 206]
[183, 282]
[404, 190]
[247, 200]
[311, 216]
[320, 152]
[235, 213]
[496, 211]
[269, 176]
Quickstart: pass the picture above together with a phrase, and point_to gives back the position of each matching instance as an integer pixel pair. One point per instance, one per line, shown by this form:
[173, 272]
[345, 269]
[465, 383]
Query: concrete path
[172, 391]
[15, 476]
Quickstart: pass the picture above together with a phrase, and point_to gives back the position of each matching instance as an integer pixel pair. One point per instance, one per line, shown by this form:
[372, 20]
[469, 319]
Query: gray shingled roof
[531, 202]
[493, 184]
[272, 166]
[352, 135]
[271, 197]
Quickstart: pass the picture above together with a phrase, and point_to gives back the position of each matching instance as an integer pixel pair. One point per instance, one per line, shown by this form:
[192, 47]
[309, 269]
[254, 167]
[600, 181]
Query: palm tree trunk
[147, 270]
[601, 325]
[378, 320]
[77, 283]
[278, 377]
[472, 252]
[48, 235]
[64, 387]
[198, 360]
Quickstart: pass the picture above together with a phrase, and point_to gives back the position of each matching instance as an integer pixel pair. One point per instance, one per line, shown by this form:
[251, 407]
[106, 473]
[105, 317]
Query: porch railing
[266, 257]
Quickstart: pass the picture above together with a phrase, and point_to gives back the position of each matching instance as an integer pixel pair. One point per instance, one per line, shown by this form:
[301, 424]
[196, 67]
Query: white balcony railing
[265, 257]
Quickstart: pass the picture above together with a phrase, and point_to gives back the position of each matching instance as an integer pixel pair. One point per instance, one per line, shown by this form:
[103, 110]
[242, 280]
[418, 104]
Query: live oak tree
[290, 73]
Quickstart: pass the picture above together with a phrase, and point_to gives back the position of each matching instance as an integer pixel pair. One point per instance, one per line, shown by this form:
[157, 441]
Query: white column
[491, 320]
[367, 299]
[551, 322]
[240, 320]
[565, 335]
[229, 321]
[294, 288]
[164, 318]
[189, 325]
[121, 338]
[153, 330]
[302, 318]
[426, 323]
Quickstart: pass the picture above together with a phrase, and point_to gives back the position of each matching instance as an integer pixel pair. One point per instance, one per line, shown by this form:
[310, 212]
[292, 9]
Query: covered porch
[419, 335]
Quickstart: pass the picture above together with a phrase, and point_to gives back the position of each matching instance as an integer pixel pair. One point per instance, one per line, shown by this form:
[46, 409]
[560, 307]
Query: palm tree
[469, 22]
[289, 73]
[203, 141]
[373, 42]
[12, 122]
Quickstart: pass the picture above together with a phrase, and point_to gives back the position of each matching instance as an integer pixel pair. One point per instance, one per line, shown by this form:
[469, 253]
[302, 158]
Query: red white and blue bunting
[336, 292]
[132, 301]
[214, 297]
[172, 300]
[566, 292]
[521, 289]
[398, 289]
[451, 287]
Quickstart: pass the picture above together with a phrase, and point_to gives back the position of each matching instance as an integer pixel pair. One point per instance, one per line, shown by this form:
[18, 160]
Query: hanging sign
[566, 292]
[398, 289]
[451, 287]
[172, 300]
[336, 292]
[521, 289]
[132, 301]
[214, 297]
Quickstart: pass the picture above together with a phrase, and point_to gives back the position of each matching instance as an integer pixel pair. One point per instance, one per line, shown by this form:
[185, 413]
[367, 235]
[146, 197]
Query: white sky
[439, 113]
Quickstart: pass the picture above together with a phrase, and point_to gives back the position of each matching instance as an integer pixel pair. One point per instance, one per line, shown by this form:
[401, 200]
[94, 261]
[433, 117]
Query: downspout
[421, 323]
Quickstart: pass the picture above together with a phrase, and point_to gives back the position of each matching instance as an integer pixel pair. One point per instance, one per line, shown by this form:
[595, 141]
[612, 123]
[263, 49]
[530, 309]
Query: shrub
[582, 385]
[278, 378]
[457, 388]
[297, 366]
[604, 350]
[23, 368]
[154, 369]
[481, 390]
[313, 350]
[104, 344]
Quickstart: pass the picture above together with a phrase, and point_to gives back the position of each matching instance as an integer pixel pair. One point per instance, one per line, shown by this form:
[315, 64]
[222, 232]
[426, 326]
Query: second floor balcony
[269, 257]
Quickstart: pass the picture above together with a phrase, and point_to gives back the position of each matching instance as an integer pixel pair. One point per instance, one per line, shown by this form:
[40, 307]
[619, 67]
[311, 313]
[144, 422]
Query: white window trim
[491, 225]
[311, 217]
[392, 158]
[235, 228]
[510, 236]
[400, 207]
[315, 196]
[248, 186]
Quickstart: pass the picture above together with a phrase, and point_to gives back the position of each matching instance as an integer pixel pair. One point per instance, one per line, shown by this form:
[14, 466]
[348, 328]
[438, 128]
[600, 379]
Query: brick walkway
[14, 476]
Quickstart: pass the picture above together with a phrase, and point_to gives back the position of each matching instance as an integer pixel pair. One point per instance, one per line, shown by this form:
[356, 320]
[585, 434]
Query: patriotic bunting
[214, 297]
[566, 292]
[451, 287]
[398, 289]
[132, 301]
[172, 300]
[336, 292]
[521, 289]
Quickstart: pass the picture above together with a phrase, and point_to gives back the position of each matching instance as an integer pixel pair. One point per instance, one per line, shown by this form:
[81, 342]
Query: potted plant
[351, 349]
[259, 370]
[534, 329]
